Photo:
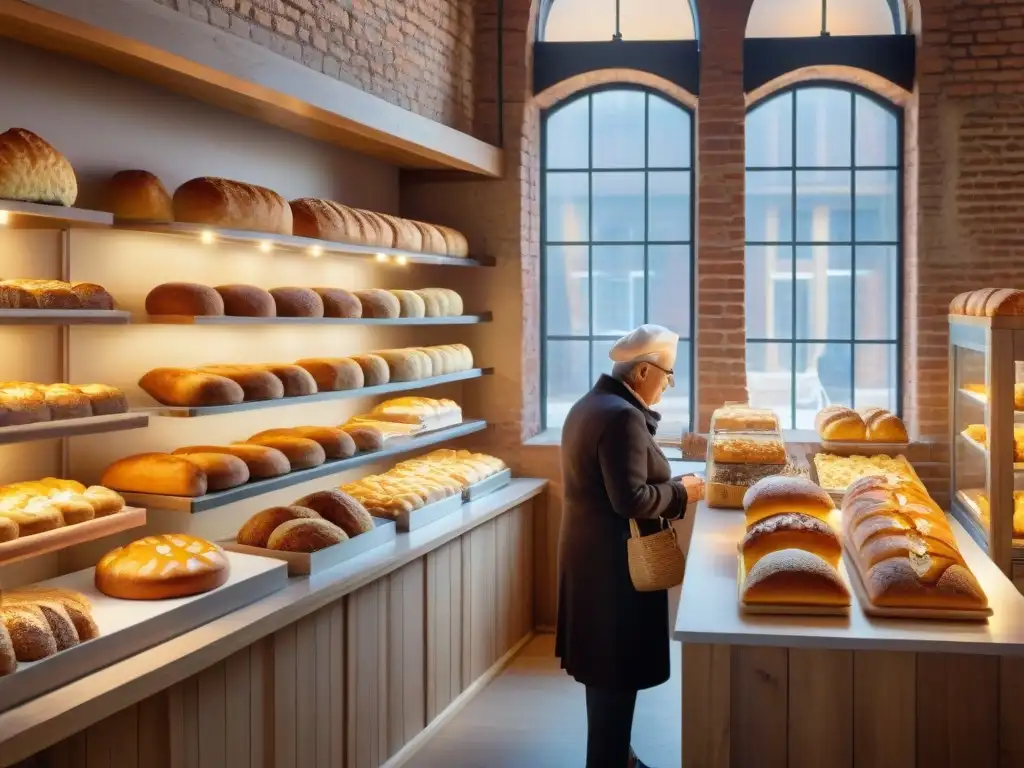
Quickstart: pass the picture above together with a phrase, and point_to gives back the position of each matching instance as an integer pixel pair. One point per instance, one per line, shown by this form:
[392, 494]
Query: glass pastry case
[986, 423]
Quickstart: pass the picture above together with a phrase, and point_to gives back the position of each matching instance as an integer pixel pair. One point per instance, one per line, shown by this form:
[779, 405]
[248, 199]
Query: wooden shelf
[52, 541]
[982, 399]
[211, 236]
[91, 425]
[189, 412]
[220, 320]
[18, 215]
[1018, 467]
[64, 317]
[218, 499]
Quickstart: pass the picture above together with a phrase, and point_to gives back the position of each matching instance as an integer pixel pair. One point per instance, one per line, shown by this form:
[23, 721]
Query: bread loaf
[1004, 302]
[455, 242]
[794, 577]
[75, 605]
[302, 452]
[406, 364]
[105, 400]
[190, 299]
[30, 633]
[881, 426]
[340, 509]
[410, 304]
[336, 442]
[22, 405]
[37, 294]
[366, 438]
[262, 462]
[247, 301]
[406, 237]
[73, 507]
[377, 231]
[439, 364]
[433, 305]
[297, 302]
[305, 535]
[8, 529]
[840, 424]
[958, 306]
[779, 494]
[295, 379]
[162, 567]
[138, 196]
[257, 529]
[455, 304]
[376, 372]
[66, 402]
[222, 470]
[433, 239]
[790, 530]
[326, 220]
[232, 205]
[8, 659]
[156, 473]
[33, 171]
[32, 516]
[93, 296]
[256, 383]
[333, 374]
[379, 304]
[185, 387]
[340, 303]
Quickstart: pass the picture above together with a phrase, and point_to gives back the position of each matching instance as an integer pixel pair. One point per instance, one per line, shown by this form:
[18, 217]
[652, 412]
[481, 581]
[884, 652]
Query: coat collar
[608, 385]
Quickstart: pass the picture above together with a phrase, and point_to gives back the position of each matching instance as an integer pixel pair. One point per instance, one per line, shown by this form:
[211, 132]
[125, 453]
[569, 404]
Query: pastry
[302, 452]
[232, 205]
[138, 196]
[775, 495]
[191, 299]
[262, 461]
[340, 303]
[339, 508]
[379, 304]
[162, 567]
[794, 577]
[156, 473]
[257, 529]
[222, 470]
[297, 302]
[256, 384]
[33, 171]
[74, 508]
[790, 530]
[247, 301]
[336, 442]
[186, 387]
[305, 535]
[333, 374]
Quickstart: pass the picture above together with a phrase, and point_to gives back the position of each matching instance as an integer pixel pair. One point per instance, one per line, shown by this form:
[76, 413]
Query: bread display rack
[25, 547]
[22, 215]
[482, 317]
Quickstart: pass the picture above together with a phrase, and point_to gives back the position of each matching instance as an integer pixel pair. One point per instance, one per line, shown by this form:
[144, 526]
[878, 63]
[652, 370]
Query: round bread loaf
[791, 530]
[333, 374]
[297, 302]
[376, 372]
[138, 196]
[366, 438]
[190, 299]
[410, 304]
[30, 634]
[257, 529]
[305, 536]
[379, 304]
[256, 383]
[340, 303]
[295, 379]
[794, 577]
[162, 567]
[222, 470]
[774, 495]
[263, 462]
[247, 301]
[336, 442]
[302, 452]
[341, 509]
[185, 387]
[8, 528]
[157, 473]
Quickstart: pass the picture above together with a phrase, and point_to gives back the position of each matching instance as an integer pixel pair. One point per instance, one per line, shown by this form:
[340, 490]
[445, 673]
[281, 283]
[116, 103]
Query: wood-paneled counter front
[810, 692]
[343, 668]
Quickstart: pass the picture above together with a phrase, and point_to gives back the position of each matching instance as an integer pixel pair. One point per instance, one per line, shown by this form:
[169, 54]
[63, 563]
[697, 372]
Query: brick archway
[568, 88]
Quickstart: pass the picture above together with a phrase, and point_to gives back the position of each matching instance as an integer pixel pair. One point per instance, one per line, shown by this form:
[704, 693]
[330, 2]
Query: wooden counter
[771, 691]
[351, 667]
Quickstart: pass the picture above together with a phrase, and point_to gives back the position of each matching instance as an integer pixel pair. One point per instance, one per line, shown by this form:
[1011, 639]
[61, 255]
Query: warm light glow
[589, 20]
[4, 218]
[382, 257]
[206, 236]
[266, 246]
[802, 18]
[402, 260]
[316, 251]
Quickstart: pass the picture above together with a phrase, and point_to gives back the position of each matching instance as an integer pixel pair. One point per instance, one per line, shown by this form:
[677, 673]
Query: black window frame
[794, 168]
[589, 243]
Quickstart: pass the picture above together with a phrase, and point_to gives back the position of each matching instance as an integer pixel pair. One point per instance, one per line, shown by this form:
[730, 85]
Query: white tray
[488, 486]
[764, 609]
[131, 626]
[431, 513]
[305, 563]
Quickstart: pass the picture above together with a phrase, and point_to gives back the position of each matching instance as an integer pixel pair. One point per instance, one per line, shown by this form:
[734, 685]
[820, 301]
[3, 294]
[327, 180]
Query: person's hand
[694, 447]
[694, 487]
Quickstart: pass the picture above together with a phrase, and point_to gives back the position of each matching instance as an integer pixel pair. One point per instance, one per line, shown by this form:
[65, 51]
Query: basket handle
[634, 529]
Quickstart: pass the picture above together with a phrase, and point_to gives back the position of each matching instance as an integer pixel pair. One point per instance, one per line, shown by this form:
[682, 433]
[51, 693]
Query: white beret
[647, 344]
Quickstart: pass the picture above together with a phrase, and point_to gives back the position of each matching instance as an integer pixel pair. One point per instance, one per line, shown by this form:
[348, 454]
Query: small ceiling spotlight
[316, 251]
[266, 246]
[382, 257]
[4, 218]
[206, 237]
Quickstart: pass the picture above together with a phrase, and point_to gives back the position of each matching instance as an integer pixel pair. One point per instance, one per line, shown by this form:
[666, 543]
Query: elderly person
[612, 638]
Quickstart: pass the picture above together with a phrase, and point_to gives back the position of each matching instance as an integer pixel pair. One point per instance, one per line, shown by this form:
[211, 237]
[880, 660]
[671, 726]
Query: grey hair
[624, 371]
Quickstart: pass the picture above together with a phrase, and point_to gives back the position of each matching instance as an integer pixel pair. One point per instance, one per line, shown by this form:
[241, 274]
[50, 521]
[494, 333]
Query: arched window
[823, 251]
[616, 238]
[810, 18]
[602, 20]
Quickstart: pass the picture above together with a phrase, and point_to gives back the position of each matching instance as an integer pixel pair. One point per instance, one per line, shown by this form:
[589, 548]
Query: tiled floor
[533, 716]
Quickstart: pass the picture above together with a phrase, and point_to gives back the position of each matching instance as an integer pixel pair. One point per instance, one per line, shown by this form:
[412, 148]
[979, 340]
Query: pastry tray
[769, 609]
[25, 547]
[129, 627]
[941, 614]
[1018, 466]
[487, 486]
[431, 513]
[862, 448]
[837, 495]
[306, 563]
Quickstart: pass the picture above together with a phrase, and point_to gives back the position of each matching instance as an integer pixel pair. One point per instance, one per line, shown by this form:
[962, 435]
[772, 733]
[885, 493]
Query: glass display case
[986, 423]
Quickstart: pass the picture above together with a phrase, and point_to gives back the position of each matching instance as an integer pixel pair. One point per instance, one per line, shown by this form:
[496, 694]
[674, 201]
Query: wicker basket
[655, 561]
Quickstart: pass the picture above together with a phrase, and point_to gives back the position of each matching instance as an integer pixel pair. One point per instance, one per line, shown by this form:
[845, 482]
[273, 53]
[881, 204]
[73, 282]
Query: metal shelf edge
[91, 425]
[218, 320]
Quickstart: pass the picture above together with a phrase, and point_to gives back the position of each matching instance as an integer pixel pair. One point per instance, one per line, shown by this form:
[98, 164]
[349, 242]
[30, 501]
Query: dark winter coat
[610, 635]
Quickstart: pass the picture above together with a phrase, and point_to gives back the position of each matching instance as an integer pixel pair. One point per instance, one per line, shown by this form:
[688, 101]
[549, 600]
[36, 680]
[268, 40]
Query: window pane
[619, 129]
[823, 125]
[568, 208]
[876, 376]
[876, 129]
[618, 289]
[769, 291]
[618, 206]
[568, 374]
[802, 18]
[877, 209]
[769, 206]
[675, 403]
[770, 133]
[825, 377]
[668, 286]
[770, 378]
[599, 357]
[575, 20]
[668, 134]
[668, 209]
[823, 296]
[655, 20]
[567, 300]
[823, 206]
[877, 296]
[568, 135]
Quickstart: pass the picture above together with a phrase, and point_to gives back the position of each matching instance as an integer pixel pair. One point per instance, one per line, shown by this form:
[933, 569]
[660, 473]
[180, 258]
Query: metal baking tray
[431, 513]
[487, 486]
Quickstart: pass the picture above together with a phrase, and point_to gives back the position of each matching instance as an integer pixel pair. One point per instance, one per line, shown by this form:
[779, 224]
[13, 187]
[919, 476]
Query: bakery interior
[295, 297]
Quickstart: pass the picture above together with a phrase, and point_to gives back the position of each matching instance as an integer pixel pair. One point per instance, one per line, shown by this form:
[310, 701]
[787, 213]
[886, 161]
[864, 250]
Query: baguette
[232, 205]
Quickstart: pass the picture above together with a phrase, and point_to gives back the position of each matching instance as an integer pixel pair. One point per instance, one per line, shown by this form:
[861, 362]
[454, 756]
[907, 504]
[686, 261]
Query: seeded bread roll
[186, 387]
[433, 240]
[247, 301]
[297, 302]
[8, 659]
[790, 530]
[794, 577]
[232, 205]
[340, 303]
[774, 495]
[376, 372]
[410, 304]
[190, 299]
[93, 296]
[257, 529]
[156, 473]
[302, 452]
[334, 374]
[29, 632]
[341, 509]
[256, 384]
[263, 462]
[379, 304]
[33, 171]
[305, 535]
[75, 604]
[366, 438]
[295, 379]
[336, 442]
[138, 196]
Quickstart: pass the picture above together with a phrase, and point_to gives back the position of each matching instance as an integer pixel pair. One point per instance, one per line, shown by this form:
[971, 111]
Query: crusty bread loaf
[406, 236]
[8, 659]
[29, 632]
[333, 374]
[305, 535]
[379, 304]
[406, 364]
[103, 500]
[37, 294]
[339, 508]
[232, 205]
[162, 567]
[105, 400]
[775, 495]
[433, 240]
[93, 296]
[794, 577]
[378, 233]
[376, 371]
[256, 383]
[75, 604]
[33, 171]
[263, 462]
[184, 299]
[940, 583]
[247, 301]
[32, 516]
[455, 242]
[976, 301]
[840, 424]
[222, 470]
[958, 306]
[257, 529]
[295, 379]
[410, 304]
[66, 402]
[326, 220]
[22, 405]
[157, 473]
[340, 303]
[186, 387]
[790, 530]
[302, 452]
[882, 426]
[337, 444]
[366, 438]
[138, 196]
[36, 623]
[297, 302]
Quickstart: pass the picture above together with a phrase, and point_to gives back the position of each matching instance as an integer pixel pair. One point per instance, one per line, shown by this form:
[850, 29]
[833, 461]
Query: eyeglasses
[669, 373]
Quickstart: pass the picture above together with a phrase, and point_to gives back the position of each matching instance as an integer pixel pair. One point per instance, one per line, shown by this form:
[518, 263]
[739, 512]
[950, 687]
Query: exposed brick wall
[417, 54]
